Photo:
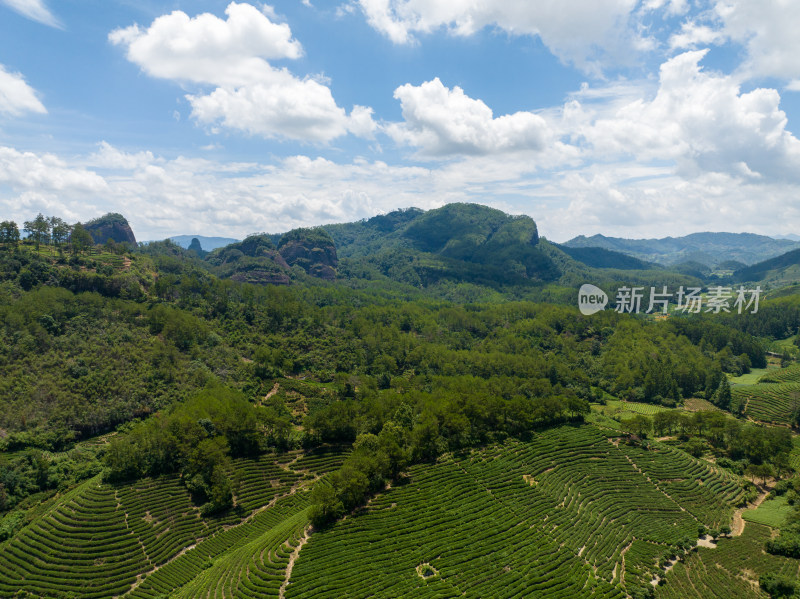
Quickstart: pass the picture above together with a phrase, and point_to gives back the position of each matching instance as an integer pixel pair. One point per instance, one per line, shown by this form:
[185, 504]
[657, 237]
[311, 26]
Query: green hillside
[780, 271]
[521, 518]
[598, 257]
[378, 409]
[571, 511]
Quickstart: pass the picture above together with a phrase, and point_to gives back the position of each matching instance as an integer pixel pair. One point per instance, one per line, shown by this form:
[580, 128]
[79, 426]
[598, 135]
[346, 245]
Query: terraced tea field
[567, 514]
[147, 539]
[774, 397]
[772, 512]
[571, 513]
[730, 570]
[769, 402]
[790, 374]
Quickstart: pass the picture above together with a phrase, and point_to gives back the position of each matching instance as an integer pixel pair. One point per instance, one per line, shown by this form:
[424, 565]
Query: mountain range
[471, 250]
[709, 249]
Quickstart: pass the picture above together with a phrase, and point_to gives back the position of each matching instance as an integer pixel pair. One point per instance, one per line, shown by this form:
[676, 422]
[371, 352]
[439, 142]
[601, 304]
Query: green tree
[639, 425]
[38, 229]
[9, 233]
[80, 239]
[59, 230]
[326, 506]
[722, 396]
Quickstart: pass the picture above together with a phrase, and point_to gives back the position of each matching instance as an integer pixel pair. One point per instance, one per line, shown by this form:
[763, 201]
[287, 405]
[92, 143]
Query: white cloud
[769, 30]
[109, 157]
[693, 34]
[673, 7]
[35, 10]
[251, 95]
[29, 171]
[700, 120]
[443, 122]
[282, 106]
[578, 31]
[605, 200]
[16, 96]
[163, 197]
[207, 49]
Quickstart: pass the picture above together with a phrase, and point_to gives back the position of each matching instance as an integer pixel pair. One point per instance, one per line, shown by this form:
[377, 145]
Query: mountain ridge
[709, 248]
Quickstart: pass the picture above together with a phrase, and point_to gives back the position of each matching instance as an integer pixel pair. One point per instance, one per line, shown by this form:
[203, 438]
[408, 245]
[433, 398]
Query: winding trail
[738, 522]
[292, 560]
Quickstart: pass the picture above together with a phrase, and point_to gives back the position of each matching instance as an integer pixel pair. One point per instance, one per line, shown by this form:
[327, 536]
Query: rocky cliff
[254, 260]
[311, 249]
[111, 226]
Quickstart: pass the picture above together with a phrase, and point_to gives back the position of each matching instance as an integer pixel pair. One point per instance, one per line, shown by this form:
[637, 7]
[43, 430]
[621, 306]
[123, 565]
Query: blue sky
[635, 118]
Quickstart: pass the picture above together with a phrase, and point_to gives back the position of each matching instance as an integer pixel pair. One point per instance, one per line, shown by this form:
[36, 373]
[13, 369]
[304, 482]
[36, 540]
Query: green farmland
[571, 512]
[772, 513]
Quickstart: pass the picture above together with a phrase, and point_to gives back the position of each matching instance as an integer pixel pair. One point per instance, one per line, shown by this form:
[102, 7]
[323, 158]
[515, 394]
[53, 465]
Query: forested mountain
[387, 420]
[598, 257]
[781, 270]
[706, 248]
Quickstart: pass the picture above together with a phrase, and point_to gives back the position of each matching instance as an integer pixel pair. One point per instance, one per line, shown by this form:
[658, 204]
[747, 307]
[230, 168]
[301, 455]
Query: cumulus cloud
[167, 196]
[578, 31]
[766, 29]
[16, 96]
[700, 120]
[694, 34]
[769, 31]
[233, 55]
[207, 49]
[109, 157]
[30, 171]
[36, 10]
[282, 105]
[443, 122]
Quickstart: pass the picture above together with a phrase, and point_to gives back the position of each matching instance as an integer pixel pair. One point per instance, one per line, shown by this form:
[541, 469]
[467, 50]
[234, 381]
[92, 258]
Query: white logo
[591, 299]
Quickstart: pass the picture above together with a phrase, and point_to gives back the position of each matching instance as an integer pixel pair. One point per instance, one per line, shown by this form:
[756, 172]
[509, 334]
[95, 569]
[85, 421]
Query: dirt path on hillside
[270, 393]
[292, 560]
[738, 522]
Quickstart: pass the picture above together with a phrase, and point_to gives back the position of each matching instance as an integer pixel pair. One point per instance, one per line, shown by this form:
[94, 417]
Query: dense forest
[182, 363]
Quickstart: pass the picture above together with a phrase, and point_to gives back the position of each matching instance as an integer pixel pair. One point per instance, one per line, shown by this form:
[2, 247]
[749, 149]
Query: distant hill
[468, 243]
[598, 257]
[706, 248]
[207, 243]
[470, 252]
[781, 270]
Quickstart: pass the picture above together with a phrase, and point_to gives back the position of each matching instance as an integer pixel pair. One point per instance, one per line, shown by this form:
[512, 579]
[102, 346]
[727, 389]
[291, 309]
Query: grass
[772, 513]
[696, 404]
[617, 409]
[786, 345]
[751, 378]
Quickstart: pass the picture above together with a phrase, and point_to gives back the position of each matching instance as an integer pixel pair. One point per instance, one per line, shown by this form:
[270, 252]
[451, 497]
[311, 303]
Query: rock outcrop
[311, 249]
[111, 226]
[254, 260]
